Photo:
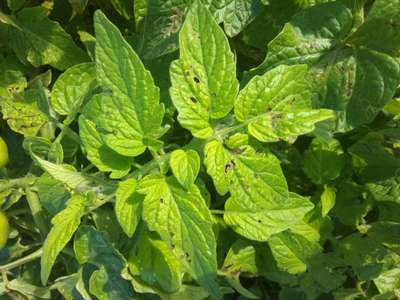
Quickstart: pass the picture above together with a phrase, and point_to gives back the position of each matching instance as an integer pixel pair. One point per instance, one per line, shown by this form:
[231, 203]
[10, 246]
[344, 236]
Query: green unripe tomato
[4, 229]
[3, 153]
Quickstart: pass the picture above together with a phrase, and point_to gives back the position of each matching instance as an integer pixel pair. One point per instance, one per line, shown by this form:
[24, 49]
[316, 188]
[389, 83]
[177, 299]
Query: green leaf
[204, 84]
[260, 204]
[388, 281]
[102, 156]
[42, 41]
[380, 30]
[372, 161]
[385, 190]
[185, 166]
[90, 246]
[155, 263]
[367, 257]
[245, 258]
[387, 233]
[65, 224]
[159, 23]
[25, 288]
[131, 115]
[15, 4]
[22, 112]
[323, 161]
[278, 105]
[64, 173]
[238, 14]
[71, 88]
[309, 35]
[13, 79]
[184, 222]
[328, 197]
[350, 207]
[292, 251]
[352, 79]
[52, 193]
[128, 206]
[106, 286]
[78, 6]
[124, 8]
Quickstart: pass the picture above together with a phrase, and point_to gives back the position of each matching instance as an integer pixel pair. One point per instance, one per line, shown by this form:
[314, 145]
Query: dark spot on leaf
[259, 221]
[233, 163]
[161, 200]
[349, 89]
[193, 99]
[237, 151]
[227, 167]
[196, 79]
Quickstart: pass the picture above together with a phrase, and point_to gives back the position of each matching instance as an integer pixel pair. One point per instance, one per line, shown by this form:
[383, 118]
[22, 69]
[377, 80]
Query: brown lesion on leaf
[196, 79]
[237, 151]
[193, 99]
[349, 88]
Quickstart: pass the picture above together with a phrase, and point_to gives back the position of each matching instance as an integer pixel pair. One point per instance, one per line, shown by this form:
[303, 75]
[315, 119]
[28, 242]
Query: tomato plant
[200, 149]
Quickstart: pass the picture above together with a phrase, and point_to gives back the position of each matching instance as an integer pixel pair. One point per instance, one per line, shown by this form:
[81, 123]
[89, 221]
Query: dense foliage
[188, 149]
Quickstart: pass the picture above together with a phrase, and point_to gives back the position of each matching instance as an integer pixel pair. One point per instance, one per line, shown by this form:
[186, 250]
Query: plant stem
[148, 167]
[217, 211]
[15, 183]
[19, 262]
[18, 211]
[37, 211]
[68, 131]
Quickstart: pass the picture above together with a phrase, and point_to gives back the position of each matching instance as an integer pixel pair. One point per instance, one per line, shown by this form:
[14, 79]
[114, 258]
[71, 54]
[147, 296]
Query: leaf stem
[16, 183]
[68, 131]
[217, 211]
[148, 167]
[37, 211]
[19, 262]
